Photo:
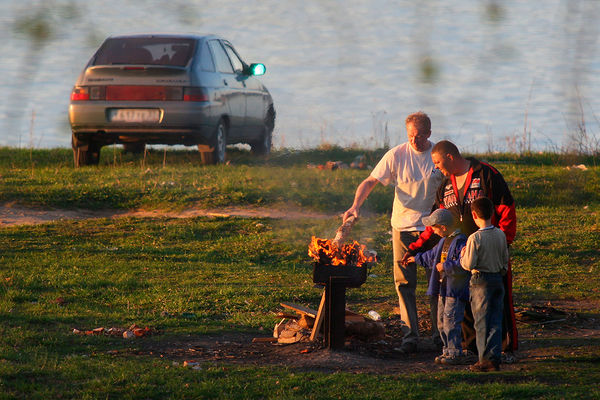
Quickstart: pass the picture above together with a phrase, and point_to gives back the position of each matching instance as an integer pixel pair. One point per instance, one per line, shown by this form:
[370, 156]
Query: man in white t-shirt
[410, 169]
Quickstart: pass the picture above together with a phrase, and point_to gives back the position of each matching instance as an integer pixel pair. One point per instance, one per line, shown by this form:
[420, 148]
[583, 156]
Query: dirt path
[11, 214]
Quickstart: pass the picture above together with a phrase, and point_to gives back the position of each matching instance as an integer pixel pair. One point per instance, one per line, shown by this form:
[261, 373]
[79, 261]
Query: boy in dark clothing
[448, 281]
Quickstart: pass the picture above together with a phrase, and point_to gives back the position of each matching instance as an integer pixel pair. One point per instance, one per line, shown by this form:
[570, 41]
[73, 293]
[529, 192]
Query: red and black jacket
[483, 180]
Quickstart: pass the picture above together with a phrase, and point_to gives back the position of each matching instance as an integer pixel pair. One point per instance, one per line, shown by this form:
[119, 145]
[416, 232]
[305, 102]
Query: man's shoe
[406, 348]
[438, 359]
[485, 366]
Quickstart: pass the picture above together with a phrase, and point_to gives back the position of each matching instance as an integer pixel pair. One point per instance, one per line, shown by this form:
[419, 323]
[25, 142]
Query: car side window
[221, 59]
[206, 59]
[238, 65]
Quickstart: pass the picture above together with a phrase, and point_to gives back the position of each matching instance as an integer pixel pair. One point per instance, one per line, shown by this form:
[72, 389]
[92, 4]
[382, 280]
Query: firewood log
[343, 231]
[366, 330]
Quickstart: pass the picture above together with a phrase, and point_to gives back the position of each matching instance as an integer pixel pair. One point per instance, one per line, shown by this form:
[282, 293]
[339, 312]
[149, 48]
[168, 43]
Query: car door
[233, 91]
[255, 100]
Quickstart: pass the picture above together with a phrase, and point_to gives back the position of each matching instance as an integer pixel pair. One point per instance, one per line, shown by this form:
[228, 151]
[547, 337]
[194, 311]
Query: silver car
[169, 89]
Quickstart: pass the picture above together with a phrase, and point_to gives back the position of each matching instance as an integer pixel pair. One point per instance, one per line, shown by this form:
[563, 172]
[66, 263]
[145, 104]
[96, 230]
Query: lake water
[493, 75]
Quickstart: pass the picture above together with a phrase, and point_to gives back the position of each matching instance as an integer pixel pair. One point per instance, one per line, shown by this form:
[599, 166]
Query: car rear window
[145, 51]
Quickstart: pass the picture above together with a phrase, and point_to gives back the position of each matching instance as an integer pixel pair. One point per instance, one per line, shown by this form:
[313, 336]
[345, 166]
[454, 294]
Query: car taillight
[88, 93]
[139, 93]
[195, 94]
[173, 93]
[97, 92]
[80, 93]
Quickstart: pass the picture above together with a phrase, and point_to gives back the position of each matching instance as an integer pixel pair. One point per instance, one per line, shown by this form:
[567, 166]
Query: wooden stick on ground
[264, 340]
[318, 319]
[299, 308]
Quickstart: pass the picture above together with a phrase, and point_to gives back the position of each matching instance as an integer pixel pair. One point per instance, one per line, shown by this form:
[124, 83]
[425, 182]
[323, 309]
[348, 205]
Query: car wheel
[134, 148]
[84, 153]
[263, 146]
[219, 143]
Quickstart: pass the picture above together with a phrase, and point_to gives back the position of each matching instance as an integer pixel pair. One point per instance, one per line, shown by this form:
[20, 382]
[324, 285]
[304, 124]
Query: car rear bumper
[145, 135]
[185, 123]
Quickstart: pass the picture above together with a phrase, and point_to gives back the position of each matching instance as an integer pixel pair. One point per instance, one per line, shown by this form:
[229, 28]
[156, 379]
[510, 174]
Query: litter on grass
[127, 333]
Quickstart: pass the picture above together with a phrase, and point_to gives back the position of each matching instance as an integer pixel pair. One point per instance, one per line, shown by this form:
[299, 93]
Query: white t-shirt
[415, 180]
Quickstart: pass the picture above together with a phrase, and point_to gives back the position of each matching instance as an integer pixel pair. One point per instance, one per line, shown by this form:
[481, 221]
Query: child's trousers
[487, 299]
[450, 315]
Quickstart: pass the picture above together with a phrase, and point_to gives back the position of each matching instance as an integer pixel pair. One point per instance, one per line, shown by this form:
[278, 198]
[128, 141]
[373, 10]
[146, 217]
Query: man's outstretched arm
[362, 192]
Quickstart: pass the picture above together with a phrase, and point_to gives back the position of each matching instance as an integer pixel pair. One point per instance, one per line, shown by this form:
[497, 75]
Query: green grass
[156, 378]
[180, 182]
[556, 252]
[176, 180]
[198, 276]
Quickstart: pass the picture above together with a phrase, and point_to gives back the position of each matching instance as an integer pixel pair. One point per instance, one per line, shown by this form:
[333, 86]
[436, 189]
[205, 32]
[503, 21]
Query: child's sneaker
[455, 360]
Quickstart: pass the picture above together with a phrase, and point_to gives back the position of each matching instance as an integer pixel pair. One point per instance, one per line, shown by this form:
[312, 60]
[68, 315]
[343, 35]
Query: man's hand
[407, 259]
[352, 212]
[439, 267]
[362, 192]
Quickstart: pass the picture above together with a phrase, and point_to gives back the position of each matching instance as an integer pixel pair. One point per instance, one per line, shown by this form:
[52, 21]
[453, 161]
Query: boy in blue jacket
[449, 281]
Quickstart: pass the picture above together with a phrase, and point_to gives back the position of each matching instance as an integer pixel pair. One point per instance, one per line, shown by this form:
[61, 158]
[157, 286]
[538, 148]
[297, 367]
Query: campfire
[327, 252]
[337, 266]
[334, 252]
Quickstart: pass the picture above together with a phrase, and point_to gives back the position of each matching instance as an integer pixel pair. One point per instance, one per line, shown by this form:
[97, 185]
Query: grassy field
[177, 180]
[210, 276]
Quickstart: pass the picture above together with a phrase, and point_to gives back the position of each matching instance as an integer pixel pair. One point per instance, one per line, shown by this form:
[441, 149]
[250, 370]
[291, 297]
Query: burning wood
[343, 231]
[325, 252]
[335, 252]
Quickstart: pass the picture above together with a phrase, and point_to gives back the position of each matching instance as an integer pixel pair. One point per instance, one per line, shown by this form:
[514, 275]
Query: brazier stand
[336, 279]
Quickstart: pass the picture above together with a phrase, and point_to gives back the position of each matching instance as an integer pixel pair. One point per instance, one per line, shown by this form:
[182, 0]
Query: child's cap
[441, 216]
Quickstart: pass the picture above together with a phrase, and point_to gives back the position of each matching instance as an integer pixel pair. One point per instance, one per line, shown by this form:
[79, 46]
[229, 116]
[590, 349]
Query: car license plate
[134, 115]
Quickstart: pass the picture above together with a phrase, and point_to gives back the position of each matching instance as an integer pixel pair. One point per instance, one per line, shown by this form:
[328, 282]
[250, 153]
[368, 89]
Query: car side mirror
[256, 69]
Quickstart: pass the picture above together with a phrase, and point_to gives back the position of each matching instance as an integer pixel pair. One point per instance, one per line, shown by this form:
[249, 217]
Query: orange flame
[325, 252]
